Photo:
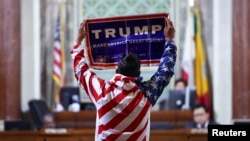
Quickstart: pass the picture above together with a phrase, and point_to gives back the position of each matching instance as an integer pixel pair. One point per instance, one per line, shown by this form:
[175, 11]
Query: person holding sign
[124, 103]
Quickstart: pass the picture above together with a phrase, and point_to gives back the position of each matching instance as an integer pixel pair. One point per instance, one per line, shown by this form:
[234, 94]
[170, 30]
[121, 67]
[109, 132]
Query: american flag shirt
[124, 103]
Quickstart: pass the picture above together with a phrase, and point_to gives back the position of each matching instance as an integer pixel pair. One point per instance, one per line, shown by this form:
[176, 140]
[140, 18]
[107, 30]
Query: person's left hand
[169, 30]
[81, 33]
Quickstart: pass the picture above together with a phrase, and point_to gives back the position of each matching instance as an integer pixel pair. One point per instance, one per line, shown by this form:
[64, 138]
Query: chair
[39, 109]
[17, 125]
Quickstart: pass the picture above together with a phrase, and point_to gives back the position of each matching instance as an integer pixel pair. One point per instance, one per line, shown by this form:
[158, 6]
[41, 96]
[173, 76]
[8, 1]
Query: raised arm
[154, 87]
[85, 77]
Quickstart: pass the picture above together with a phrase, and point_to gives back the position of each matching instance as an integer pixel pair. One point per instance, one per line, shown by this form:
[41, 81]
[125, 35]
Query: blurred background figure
[201, 118]
[59, 107]
[180, 84]
[48, 120]
[75, 106]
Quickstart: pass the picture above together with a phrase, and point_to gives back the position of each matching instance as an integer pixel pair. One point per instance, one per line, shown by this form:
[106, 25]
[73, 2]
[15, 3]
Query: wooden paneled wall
[241, 59]
[10, 59]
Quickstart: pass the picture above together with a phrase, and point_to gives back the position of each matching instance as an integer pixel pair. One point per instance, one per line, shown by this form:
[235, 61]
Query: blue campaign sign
[110, 38]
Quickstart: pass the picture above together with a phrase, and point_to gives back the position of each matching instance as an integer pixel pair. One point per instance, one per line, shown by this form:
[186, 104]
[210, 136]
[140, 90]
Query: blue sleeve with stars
[154, 87]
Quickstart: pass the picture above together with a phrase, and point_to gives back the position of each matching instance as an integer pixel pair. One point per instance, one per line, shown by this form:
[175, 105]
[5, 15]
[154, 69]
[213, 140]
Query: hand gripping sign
[109, 39]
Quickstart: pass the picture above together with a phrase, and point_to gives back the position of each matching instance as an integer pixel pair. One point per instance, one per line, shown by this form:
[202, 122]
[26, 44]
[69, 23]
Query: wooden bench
[176, 118]
[86, 119]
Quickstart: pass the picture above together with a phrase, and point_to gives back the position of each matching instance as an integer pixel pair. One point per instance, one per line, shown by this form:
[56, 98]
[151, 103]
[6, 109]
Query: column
[222, 60]
[30, 60]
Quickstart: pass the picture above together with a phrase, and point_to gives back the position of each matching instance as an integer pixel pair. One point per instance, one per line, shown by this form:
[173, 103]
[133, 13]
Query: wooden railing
[89, 134]
[86, 119]
[80, 126]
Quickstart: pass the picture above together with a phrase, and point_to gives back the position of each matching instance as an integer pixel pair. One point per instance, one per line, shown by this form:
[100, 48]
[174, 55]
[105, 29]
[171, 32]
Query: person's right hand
[169, 30]
[81, 33]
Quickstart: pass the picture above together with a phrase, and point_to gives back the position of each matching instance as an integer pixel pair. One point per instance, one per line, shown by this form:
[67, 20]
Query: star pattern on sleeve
[165, 69]
[148, 93]
[154, 87]
[170, 59]
[155, 97]
[159, 78]
[168, 49]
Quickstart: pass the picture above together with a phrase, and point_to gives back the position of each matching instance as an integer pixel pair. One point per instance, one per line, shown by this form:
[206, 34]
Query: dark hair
[180, 80]
[129, 65]
[200, 105]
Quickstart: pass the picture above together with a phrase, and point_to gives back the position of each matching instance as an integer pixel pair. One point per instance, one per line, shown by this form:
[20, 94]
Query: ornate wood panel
[10, 59]
[241, 59]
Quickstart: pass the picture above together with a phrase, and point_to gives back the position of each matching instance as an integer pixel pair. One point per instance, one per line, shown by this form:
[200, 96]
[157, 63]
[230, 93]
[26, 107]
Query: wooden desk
[197, 134]
[56, 135]
[87, 119]
[70, 135]
[19, 135]
[88, 135]
[177, 135]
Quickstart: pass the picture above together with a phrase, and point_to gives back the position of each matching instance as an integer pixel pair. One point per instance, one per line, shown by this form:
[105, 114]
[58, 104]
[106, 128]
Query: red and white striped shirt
[123, 103]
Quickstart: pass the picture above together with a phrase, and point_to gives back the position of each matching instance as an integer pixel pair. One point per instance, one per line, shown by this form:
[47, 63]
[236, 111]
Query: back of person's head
[129, 65]
[180, 84]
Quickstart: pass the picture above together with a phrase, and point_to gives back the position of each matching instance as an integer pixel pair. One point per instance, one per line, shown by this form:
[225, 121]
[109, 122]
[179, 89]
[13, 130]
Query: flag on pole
[58, 58]
[188, 54]
[201, 77]
[57, 54]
